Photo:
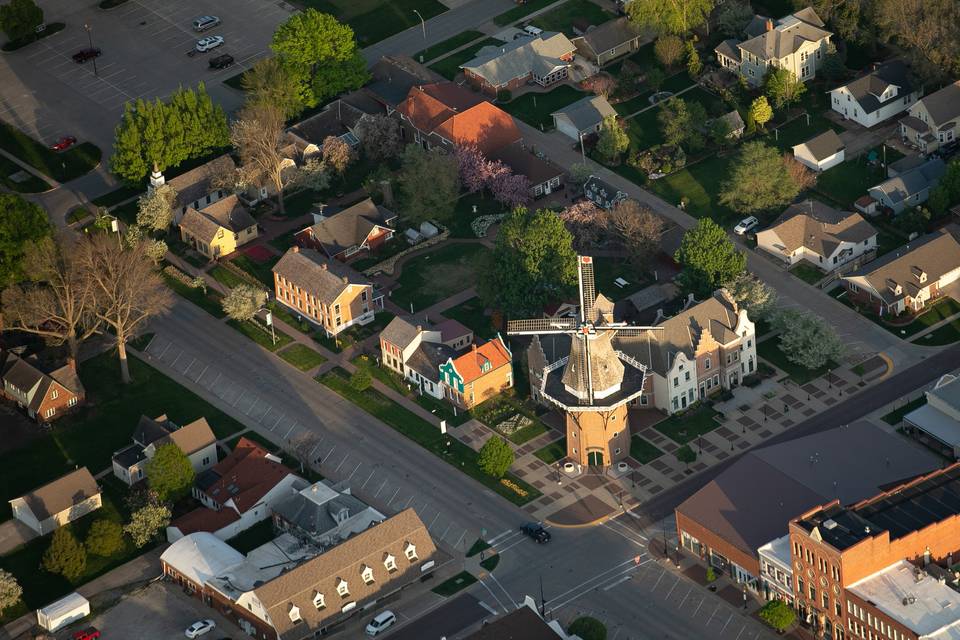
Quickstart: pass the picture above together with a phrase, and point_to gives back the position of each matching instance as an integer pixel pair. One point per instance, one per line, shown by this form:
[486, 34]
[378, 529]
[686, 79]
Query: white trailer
[64, 611]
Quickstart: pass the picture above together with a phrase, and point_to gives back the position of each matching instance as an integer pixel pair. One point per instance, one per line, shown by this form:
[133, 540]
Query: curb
[888, 372]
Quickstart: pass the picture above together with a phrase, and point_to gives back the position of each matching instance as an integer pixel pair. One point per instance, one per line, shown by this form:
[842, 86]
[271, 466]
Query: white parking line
[250, 408]
[390, 501]
[490, 591]
[290, 430]
[725, 624]
[366, 481]
[354, 471]
[344, 459]
[380, 489]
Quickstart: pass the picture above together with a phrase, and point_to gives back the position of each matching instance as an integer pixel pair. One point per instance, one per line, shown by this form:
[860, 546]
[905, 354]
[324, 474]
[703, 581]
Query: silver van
[205, 22]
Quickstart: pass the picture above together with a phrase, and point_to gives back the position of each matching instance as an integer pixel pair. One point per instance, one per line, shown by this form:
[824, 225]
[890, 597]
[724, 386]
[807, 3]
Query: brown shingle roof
[195, 184]
[346, 561]
[61, 494]
[819, 227]
[610, 34]
[227, 213]
[323, 278]
[522, 624]
[245, 476]
[350, 227]
[194, 436]
[525, 163]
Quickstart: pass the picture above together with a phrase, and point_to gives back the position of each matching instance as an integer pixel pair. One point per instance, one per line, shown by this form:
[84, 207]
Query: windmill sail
[588, 290]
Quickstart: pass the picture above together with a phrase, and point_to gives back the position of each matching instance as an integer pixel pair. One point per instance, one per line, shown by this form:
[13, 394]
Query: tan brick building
[479, 374]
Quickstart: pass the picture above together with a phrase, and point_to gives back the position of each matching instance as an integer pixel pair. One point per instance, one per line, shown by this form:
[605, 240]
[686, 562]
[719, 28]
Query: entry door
[595, 458]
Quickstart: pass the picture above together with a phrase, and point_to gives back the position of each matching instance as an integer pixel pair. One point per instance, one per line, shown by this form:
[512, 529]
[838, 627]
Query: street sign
[443, 426]
[269, 319]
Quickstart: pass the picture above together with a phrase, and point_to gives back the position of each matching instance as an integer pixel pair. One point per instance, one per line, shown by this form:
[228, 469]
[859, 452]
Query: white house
[909, 188]
[939, 418]
[196, 440]
[933, 120]
[819, 234]
[877, 96]
[60, 502]
[820, 152]
[584, 117]
[415, 349]
[776, 570]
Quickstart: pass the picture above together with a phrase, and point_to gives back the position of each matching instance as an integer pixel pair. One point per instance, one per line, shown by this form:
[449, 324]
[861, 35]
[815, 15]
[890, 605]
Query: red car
[64, 143]
[90, 633]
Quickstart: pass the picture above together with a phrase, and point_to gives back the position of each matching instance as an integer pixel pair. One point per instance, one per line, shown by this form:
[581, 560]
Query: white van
[381, 622]
[203, 23]
[531, 30]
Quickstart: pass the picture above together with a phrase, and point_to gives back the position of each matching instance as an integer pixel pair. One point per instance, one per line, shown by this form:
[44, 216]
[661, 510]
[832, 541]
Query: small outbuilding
[821, 152]
[64, 611]
[583, 117]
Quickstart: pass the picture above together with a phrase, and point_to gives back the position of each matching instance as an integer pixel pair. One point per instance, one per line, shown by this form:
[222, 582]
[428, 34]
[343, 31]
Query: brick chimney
[296, 249]
[323, 265]
[769, 24]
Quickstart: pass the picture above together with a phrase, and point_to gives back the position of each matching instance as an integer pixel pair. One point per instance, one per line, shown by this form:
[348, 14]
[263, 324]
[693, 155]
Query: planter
[622, 467]
[568, 467]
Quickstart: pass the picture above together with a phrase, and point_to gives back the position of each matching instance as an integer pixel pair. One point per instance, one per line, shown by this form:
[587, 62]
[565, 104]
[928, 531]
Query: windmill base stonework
[598, 438]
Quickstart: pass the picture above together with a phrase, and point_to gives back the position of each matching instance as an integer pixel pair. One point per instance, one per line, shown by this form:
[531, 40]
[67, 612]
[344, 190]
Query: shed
[820, 152]
[583, 117]
[427, 230]
[64, 611]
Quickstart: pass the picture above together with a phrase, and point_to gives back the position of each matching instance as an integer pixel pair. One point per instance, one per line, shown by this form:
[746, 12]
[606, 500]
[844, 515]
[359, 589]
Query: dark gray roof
[336, 119]
[943, 105]
[904, 185]
[317, 519]
[325, 279]
[522, 624]
[350, 227]
[129, 456]
[524, 162]
[394, 76]
[428, 357]
[195, 184]
[756, 26]
[402, 331]
[587, 112]
[730, 49]
[610, 34]
[602, 193]
[21, 374]
[867, 89]
[824, 145]
[733, 120]
[787, 36]
[150, 430]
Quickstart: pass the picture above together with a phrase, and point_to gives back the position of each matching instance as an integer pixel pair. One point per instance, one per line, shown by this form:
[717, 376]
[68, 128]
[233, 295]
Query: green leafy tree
[170, 473]
[268, 81]
[612, 141]
[783, 87]
[834, 65]
[711, 574]
[128, 161]
[806, 339]
[105, 538]
[686, 455]
[670, 16]
[429, 184]
[361, 379]
[760, 111]
[532, 264]
[495, 457]
[733, 17]
[215, 129]
[694, 65]
[925, 30]
[320, 54]
[10, 590]
[65, 556]
[21, 223]
[20, 18]
[655, 79]
[587, 628]
[669, 49]
[759, 180]
[680, 123]
[778, 614]
[146, 523]
[709, 259]
[947, 191]
[719, 131]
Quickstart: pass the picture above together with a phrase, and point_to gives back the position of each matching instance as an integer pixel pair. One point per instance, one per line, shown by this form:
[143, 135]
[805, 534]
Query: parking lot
[144, 45]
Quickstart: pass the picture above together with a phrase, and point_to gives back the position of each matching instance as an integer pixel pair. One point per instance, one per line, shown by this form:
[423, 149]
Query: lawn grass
[226, 277]
[947, 334]
[535, 108]
[553, 452]
[895, 417]
[769, 350]
[302, 357]
[117, 196]
[521, 11]
[471, 315]
[807, 272]
[607, 270]
[642, 451]
[700, 183]
[457, 41]
[430, 277]
[686, 427]
[479, 545]
[634, 104]
[30, 184]
[62, 167]
[261, 336]
[209, 301]
[932, 314]
[259, 534]
[455, 584]
[798, 131]
[463, 213]
[561, 18]
[356, 333]
[262, 271]
[490, 563]
[449, 67]
[374, 20]
[450, 449]
[849, 180]
[31, 466]
[78, 214]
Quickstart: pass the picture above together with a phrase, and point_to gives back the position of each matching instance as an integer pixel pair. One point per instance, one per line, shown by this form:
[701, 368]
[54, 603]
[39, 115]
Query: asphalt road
[459, 613]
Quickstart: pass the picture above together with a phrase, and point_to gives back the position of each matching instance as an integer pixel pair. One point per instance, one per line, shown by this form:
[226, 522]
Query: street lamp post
[423, 25]
[86, 27]
[583, 154]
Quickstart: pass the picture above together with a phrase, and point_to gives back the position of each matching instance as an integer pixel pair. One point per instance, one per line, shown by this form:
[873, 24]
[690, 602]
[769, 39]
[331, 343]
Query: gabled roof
[733, 120]
[323, 278]
[336, 119]
[908, 183]
[943, 105]
[245, 476]
[520, 624]
[394, 76]
[193, 437]
[867, 89]
[587, 112]
[149, 430]
[350, 227]
[717, 315]
[610, 34]
[61, 494]
[227, 213]
[195, 184]
[470, 364]
[524, 162]
[729, 48]
[819, 227]
[500, 64]
[787, 36]
[401, 331]
[26, 375]
[822, 146]
[21, 374]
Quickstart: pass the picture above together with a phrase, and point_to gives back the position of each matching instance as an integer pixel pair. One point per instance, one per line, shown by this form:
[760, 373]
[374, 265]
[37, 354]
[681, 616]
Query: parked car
[63, 143]
[221, 62]
[90, 633]
[86, 54]
[745, 225]
[208, 43]
[381, 622]
[203, 23]
[533, 31]
[536, 531]
[199, 628]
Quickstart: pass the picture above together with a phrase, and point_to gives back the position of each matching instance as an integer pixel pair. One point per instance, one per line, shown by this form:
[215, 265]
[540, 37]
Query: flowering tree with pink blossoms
[476, 171]
[510, 189]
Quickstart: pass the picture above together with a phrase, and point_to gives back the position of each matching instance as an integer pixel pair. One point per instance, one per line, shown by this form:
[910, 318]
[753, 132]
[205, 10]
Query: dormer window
[410, 550]
[366, 573]
[390, 563]
[342, 589]
[294, 613]
[319, 601]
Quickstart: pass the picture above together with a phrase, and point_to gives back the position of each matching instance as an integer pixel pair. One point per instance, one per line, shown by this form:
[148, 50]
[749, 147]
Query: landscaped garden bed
[509, 417]
[769, 350]
[688, 426]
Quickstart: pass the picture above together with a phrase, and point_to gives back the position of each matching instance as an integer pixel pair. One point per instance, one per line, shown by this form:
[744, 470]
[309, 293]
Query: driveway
[14, 533]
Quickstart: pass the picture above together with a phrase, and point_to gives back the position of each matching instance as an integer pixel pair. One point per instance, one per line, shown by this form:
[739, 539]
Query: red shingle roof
[470, 364]
[245, 476]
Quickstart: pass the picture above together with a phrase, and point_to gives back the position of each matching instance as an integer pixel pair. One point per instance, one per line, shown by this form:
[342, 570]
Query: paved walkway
[23, 165]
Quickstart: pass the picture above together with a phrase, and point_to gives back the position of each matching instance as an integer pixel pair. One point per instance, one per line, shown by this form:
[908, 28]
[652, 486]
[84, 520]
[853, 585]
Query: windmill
[594, 383]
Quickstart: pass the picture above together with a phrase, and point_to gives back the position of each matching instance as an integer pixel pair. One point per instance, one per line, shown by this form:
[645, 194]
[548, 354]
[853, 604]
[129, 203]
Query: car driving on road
[536, 531]
[208, 43]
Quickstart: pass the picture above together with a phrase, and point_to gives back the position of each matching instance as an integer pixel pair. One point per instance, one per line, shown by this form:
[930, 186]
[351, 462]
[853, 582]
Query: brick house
[907, 279]
[353, 232]
[326, 292]
[44, 396]
[196, 440]
[479, 374]
[59, 502]
[544, 59]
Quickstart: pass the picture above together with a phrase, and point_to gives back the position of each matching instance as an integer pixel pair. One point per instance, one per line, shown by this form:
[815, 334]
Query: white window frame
[410, 551]
[390, 563]
[343, 589]
[319, 601]
[366, 574]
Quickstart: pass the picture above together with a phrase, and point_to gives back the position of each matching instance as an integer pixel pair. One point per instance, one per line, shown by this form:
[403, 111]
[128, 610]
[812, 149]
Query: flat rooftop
[914, 599]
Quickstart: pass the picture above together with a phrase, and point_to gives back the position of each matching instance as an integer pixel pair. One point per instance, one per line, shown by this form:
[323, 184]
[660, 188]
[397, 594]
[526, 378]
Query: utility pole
[86, 27]
[423, 25]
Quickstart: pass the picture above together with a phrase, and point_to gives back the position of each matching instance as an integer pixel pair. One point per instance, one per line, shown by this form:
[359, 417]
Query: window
[363, 295]
[206, 461]
[676, 382]
[686, 376]
[49, 412]
[366, 573]
[390, 563]
[410, 550]
[617, 451]
[319, 601]
[837, 608]
[294, 614]
[616, 433]
[342, 589]
[706, 364]
[72, 401]
[813, 594]
[826, 601]
[54, 394]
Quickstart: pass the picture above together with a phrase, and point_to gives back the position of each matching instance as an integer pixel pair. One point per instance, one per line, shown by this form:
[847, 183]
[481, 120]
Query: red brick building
[45, 396]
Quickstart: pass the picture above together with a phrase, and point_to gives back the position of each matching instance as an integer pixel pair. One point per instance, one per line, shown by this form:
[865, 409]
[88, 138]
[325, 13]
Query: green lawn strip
[807, 272]
[184, 251]
[553, 452]
[26, 182]
[457, 41]
[126, 213]
[535, 108]
[209, 301]
[31, 466]
[686, 427]
[353, 335]
[561, 18]
[608, 270]
[642, 451]
[769, 350]
[77, 214]
[798, 131]
[494, 411]
[895, 417]
[262, 271]
[947, 334]
[490, 563]
[226, 277]
[61, 166]
[455, 584]
[518, 12]
[634, 104]
[259, 534]
[700, 183]
[471, 315]
[848, 180]
[48, 30]
[117, 196]
[430, 277]
[235, 81]
[449, 67]
[426, 435]
[463, 215]
[374, 20]
[260, 335]
[302, 357]
[933, 313]
[478, 546]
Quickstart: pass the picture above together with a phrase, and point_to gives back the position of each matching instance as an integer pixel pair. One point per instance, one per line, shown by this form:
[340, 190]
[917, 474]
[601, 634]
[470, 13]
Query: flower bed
[513, 486]
[481, 224]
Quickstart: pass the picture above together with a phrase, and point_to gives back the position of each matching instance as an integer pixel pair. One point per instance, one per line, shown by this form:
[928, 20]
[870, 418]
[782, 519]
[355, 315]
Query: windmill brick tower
[595, 382]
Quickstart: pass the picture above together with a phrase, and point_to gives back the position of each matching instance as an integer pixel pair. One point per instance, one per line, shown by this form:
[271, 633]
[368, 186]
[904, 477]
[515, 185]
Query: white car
[199, 628]
[381, 622]
[205, 22]
[746, 225]
[208, 43]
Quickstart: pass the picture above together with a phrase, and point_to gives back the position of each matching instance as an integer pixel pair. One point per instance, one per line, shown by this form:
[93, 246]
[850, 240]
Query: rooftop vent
[830, 524]
[908, 600]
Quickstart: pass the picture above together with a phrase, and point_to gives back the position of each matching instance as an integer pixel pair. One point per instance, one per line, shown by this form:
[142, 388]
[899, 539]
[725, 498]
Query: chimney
[473, 348]
[323, 265]
[769, 24]
[345, 279]
[72, 363]
[295, 248]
